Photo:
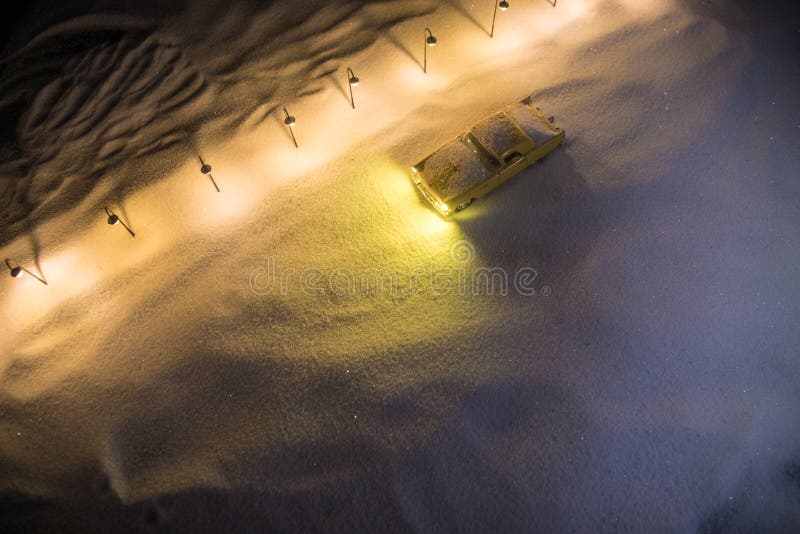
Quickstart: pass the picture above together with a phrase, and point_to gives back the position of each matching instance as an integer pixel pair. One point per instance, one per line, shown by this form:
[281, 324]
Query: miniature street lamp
[113, 219]
[430, 40]
[17, 271]
[503, 5]
[290, 121]
[205, 168]
[353, 81]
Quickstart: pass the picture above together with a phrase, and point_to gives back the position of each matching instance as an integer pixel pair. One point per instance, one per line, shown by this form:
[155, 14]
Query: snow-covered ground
[306, 350]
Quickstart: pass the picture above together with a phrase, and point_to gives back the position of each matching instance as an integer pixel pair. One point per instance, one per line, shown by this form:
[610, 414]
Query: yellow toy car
[493, 151]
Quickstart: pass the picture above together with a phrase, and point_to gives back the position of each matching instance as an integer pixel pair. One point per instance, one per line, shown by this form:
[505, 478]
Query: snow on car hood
[453, 170]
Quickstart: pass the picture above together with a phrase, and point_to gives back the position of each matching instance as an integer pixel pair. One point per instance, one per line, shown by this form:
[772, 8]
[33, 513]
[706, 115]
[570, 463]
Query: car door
[515, 165]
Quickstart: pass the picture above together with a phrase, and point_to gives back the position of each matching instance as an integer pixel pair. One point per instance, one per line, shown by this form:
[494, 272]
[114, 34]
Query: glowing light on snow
[566, 14]
[257, 164]
[206, 209]
[29, 304]
[401, 196]
[97, 255]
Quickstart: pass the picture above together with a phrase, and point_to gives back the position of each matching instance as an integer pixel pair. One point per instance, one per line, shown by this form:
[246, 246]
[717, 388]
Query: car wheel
[464, 205]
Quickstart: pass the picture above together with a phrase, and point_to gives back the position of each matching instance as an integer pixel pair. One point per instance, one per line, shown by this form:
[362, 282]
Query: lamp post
[503, 5]
[290, 121]
[352, 81]
[17, 271]
[430, 40]
[113, 219]
[205, 168]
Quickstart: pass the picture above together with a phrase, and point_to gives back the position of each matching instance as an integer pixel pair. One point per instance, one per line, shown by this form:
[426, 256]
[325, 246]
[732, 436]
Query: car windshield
[498, 134]
[453, 170]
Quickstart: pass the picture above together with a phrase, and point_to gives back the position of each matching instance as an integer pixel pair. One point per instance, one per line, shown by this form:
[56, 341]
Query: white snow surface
[236, 367]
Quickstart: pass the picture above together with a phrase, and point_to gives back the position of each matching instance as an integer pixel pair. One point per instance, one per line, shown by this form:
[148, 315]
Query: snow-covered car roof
[498, 134]
[454, 169]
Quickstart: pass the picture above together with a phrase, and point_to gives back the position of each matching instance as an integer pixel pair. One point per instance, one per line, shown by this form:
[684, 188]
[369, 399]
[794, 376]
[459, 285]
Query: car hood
[453, 170]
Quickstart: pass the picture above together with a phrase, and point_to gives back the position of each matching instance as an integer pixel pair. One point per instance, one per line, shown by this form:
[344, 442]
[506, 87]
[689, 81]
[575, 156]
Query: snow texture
[454, 169]
[276, 357]
[533, 126]
[498, 134]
